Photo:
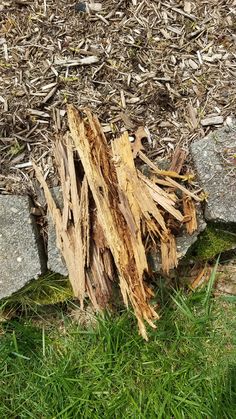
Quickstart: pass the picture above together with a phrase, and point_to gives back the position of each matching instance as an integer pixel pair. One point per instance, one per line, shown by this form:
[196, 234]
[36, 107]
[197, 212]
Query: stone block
[21, 251]
[55, 260]
[215, 162]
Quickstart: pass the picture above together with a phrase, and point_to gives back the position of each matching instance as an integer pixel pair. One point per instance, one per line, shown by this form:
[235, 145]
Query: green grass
[186, 370]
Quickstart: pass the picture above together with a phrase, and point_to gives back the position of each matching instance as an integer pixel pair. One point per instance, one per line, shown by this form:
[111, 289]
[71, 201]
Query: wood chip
[95, 7]
[137, 145]
[190, 213]
[50, 95]
[212, 120]
[122, 96]
[178, 160]
[187, 7]
[36, 112]
[92, 59]
[193, 64]
[193, 116]
[180, 11]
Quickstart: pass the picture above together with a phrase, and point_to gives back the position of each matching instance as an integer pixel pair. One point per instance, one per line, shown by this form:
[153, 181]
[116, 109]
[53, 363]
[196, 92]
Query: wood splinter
[111, 214]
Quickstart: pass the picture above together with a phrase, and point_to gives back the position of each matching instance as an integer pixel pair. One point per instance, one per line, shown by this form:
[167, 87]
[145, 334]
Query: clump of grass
[186, 370]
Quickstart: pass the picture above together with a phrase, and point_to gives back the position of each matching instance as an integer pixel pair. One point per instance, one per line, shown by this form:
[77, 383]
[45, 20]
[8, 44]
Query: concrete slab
[215, 161]
[21, 251]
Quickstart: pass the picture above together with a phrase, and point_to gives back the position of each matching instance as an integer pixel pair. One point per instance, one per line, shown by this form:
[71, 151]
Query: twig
[180, 11]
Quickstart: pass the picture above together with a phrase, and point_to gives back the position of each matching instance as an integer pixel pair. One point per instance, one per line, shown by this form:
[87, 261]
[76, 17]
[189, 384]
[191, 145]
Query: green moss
[213, 241]
[48, 289]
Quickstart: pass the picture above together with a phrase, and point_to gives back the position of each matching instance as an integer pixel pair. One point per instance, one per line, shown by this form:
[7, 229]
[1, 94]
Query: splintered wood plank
[88, 260]
[155, 169]
[141, 193]
[102, 273]
[162, 198]
[190, 214]
[183, 189]
[168, 253]
[100, 171]
[69, 240]
[130, 206]
[134, 190]
[113, 215]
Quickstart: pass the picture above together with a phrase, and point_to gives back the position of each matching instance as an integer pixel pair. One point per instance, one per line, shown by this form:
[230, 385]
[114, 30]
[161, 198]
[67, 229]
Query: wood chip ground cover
[165, 65]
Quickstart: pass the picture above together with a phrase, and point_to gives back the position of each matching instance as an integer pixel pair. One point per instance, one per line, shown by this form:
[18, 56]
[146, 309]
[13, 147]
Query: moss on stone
[214, 240]
[50, 288]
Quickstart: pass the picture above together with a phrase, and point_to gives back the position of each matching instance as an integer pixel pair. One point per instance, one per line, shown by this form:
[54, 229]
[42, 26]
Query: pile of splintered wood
[113, 215]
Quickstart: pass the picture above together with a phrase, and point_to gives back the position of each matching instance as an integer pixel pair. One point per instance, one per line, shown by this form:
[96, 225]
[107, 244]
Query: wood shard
[113, 215]
[168, 253]
[100, 170]
[68, 240]
[212, 120]
[178, 160]
[72, 225]
[190, 214]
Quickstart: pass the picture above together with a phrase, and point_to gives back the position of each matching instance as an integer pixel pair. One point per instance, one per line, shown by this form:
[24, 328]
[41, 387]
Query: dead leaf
[140, 134]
